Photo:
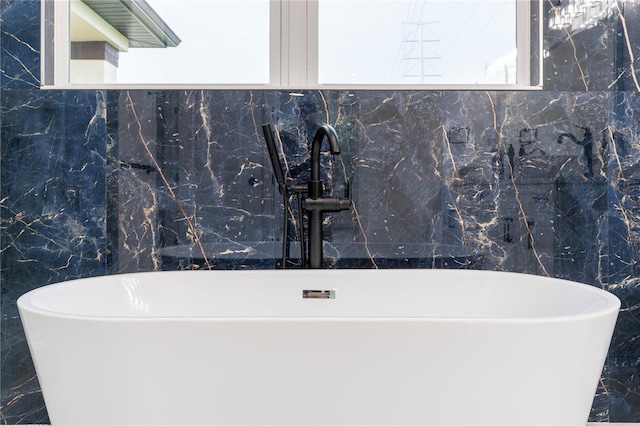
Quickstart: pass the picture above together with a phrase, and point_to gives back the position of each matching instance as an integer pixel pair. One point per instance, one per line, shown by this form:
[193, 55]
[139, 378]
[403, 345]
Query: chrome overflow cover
[318, 294]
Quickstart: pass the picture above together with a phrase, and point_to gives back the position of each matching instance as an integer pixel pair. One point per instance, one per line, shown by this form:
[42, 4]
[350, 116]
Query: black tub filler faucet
[315, 203]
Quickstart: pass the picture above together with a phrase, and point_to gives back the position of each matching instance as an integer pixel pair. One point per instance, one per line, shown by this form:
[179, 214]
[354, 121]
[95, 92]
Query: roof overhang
[135, 20]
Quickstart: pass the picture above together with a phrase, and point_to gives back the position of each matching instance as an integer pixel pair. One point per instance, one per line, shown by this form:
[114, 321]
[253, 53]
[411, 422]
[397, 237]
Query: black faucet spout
[316, 145]
[317, 204]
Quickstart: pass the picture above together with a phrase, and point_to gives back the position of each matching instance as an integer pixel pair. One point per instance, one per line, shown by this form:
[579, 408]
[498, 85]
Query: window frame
[294, 37]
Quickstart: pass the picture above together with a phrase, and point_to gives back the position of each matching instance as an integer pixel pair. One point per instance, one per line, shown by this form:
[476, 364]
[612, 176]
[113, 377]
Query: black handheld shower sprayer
[286, 190]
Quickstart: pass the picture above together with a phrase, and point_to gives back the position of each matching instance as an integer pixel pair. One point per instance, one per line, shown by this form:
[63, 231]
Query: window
[292, 44]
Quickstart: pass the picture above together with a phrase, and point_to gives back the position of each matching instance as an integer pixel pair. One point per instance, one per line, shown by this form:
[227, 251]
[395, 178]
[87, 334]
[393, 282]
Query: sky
[447, 42]
[222, 42]
[361, 41]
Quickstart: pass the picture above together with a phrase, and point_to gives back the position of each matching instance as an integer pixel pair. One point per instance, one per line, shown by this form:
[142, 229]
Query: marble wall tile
[52, 214]
[190, 171]
[584, 60]
[624, 390]
[394, 142]
[20, 41]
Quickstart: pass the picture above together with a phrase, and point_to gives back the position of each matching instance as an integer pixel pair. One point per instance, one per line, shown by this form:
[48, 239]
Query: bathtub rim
[611, 307]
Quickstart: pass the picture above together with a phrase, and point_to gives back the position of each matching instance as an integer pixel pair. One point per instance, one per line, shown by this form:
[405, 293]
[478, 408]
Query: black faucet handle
[328, 204]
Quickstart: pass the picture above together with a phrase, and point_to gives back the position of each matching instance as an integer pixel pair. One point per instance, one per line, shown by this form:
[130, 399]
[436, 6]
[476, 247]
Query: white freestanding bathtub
[364, 347]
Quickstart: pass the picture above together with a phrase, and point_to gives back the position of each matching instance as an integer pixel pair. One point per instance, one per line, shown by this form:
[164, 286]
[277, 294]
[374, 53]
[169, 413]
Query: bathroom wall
[105, 182]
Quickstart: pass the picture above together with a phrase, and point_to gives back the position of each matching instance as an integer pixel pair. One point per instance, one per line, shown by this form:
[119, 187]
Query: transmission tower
[421, 58]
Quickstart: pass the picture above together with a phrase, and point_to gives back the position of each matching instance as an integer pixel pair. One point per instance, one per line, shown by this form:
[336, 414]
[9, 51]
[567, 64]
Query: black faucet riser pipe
[316, 189]
[315, 239]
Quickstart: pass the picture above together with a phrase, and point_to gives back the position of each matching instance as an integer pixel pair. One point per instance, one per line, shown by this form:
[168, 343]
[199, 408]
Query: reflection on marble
[103, 182]
[268, 255]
